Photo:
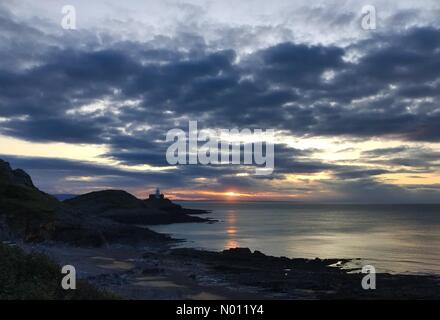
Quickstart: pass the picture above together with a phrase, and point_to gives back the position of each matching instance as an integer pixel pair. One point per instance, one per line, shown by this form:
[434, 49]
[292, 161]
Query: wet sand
[159, 272]
[123, 270]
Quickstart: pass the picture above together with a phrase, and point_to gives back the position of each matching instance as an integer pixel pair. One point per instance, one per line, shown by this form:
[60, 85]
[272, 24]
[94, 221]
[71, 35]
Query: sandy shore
[159, 272]
[125, 271]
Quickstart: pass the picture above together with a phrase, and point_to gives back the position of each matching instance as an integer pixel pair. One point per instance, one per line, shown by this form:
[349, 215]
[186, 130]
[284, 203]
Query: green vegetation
[28, 211]
[35, 277]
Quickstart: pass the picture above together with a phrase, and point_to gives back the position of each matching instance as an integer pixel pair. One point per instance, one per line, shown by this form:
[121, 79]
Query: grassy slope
[27, 210]
[34, 276]
[31, 213]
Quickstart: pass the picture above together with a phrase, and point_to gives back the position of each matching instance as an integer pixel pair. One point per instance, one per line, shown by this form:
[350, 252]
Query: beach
[160, 271]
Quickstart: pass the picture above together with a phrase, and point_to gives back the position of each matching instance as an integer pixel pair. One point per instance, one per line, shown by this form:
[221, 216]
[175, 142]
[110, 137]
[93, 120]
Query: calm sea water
[393, 238]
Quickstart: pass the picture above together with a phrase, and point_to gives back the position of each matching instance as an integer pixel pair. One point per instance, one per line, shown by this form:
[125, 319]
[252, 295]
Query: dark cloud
[298, 65]
[415, 159]
[283, 86]
[52, 175]
[361, 173]
[380, 152]
[143, 89]
[70, 130]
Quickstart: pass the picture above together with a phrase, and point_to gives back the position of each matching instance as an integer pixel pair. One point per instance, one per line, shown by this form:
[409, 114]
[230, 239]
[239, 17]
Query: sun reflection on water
[231, 230]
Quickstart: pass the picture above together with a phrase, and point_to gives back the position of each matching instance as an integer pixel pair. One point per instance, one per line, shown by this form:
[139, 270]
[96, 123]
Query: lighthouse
[156, 195]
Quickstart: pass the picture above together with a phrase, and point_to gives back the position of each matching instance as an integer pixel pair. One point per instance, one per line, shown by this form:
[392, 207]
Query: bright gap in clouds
[91, 153]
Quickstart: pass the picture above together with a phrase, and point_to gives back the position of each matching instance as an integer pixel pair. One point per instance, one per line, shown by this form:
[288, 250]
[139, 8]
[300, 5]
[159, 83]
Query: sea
[392, 238]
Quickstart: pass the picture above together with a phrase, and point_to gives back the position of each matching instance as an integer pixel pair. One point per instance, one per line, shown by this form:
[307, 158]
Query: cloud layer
[89, 87]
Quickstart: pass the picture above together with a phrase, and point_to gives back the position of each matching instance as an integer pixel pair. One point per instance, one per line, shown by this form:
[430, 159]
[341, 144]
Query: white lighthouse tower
[156, 195]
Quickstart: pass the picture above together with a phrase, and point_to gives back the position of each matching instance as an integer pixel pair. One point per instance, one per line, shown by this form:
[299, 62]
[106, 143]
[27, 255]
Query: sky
[355, 111]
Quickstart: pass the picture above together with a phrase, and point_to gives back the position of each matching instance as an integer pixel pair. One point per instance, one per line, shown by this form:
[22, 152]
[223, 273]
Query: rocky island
[104, 234]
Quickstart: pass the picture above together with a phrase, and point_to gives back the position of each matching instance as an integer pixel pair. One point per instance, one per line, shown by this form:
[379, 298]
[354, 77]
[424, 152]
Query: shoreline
[352, 263]
[159, 271]
[403, 242]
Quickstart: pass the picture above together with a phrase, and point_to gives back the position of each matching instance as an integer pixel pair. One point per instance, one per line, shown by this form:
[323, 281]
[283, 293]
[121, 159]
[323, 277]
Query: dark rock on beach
[285, 278]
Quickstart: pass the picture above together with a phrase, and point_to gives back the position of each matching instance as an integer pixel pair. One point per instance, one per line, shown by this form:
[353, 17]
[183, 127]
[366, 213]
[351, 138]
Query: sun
[231, 194]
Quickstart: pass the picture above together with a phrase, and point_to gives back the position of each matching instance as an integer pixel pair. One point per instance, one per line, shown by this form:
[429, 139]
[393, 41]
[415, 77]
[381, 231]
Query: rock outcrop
[92, 219]
[104, 202]
[15, 177]
[24, 209]
[167, 205]
[123, 207]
